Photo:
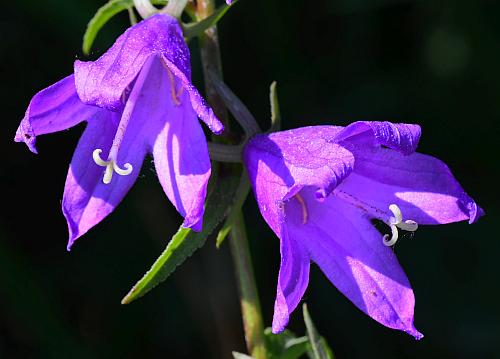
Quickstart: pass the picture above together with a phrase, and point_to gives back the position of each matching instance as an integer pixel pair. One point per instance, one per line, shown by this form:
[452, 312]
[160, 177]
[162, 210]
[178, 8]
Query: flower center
[111, 163]
[111, 166]
[394, 222]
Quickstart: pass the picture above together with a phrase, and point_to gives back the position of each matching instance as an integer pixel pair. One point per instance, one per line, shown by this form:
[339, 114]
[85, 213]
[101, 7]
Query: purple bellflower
[319, 189]
[137, 99]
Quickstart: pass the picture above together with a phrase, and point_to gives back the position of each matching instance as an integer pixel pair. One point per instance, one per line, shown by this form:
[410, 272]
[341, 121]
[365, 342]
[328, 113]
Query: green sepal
[285, 345]
[103, 15]
[185, 242]
[275, 108]
[194, 29]
[319, 348]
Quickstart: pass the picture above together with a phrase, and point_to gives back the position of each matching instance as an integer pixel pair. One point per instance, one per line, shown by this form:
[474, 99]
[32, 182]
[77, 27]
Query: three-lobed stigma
[396, 222]
[111, 166]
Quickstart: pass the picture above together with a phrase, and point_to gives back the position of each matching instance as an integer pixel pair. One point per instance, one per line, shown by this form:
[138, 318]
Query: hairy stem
[249, 299]
[250, 306]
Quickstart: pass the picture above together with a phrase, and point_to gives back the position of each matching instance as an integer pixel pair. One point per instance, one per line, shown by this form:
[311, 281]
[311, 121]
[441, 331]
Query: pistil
[394, 222]
[111, 163]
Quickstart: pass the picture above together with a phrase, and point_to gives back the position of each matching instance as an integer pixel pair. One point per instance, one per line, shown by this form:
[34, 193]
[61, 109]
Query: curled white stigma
[111, 166]
[396, 222]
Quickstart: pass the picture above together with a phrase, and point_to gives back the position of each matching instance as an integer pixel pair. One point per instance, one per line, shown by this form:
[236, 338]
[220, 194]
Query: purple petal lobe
[398, 136]
[87, 200]
[422, 186]
[53, 109]
[105, 82]
[292, 281]
[197, 102]
[349, 250]
[281, 163]
[178, 144]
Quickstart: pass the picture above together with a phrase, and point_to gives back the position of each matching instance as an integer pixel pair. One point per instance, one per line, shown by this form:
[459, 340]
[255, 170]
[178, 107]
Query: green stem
[249, 299]
[211, 61]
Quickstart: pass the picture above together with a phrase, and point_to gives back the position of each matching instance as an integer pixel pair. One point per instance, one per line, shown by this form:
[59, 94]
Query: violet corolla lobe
[319, 189]
[137, 99]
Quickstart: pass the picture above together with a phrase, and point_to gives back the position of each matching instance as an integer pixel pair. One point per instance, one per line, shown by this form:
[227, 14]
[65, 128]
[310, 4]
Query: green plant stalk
[211, 61]
[249, 299]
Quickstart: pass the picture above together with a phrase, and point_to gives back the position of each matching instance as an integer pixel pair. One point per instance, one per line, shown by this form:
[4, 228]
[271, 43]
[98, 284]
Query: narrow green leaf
[237, 355]
[197, 28]
[241, 195]
[319, 347]
[275, 108]
[103, 15]
[185, 242]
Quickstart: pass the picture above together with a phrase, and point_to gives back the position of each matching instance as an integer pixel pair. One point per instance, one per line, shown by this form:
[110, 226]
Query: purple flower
[137, 99]
[319, 188]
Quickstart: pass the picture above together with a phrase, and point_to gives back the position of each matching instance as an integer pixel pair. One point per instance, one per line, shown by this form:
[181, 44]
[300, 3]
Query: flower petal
[398, 136]
[281, 163]
[422, 186]
[349, 250]
[178, 144]
[292, 281]
[199, 105]
[104, 82]
[53, 109]
[87, 200]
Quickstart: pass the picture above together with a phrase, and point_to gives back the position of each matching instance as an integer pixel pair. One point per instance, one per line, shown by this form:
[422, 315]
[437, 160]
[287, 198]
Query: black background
[436, 63]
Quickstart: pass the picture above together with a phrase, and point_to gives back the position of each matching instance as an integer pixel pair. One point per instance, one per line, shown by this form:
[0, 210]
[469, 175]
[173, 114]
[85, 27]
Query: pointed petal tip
[214, 123]
[414, 333]
[24, 133]
[279, 324]
[475, 212]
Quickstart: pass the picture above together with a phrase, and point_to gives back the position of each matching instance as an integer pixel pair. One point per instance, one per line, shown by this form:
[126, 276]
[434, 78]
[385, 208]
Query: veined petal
[178, 144]
[422, 186]
[104, 82]
[398, 136]
[281, 163]
[87, 200]
[292, 281]
[349, 250]
[53, 109]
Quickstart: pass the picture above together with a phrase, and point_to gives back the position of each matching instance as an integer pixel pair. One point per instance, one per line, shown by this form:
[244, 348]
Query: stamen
[173, 93]
[304, 208]
[111, 166]
[397, 222]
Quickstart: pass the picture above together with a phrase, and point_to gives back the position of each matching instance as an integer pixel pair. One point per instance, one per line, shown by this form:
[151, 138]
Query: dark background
[436, 63]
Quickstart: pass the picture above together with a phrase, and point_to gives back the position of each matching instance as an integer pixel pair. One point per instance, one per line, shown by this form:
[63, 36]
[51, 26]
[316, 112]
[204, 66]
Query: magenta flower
[319, 188]
[137, 99]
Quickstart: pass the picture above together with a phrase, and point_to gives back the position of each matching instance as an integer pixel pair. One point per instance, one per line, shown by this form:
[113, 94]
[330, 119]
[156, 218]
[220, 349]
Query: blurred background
[436, 63]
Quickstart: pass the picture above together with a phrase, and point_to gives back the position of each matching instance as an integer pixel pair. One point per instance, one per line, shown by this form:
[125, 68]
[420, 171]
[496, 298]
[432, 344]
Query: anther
[175, 95]
[111, 166]
[304, 208]
[396, 222]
